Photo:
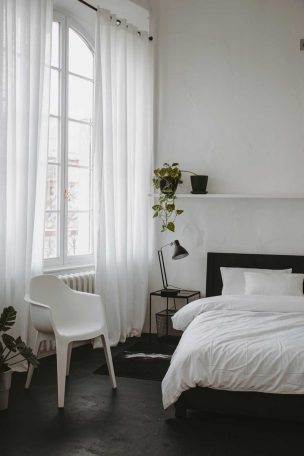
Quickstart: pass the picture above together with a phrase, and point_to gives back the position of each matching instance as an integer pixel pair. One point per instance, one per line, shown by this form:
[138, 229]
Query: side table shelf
[187, 295]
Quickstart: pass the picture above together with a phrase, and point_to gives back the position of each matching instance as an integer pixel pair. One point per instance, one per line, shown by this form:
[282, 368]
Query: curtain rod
[118, 21]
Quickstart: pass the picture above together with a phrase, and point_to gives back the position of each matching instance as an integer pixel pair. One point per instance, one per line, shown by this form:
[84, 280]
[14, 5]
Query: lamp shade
[179, 251]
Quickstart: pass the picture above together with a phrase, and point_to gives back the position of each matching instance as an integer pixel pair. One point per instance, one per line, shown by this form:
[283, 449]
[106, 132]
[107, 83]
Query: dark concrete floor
[130, 421]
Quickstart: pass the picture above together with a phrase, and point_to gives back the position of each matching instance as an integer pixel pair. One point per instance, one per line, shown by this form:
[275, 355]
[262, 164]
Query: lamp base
[169, 292]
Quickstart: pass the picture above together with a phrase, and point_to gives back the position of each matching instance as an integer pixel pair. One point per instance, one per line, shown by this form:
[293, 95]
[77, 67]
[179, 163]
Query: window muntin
[69, 201]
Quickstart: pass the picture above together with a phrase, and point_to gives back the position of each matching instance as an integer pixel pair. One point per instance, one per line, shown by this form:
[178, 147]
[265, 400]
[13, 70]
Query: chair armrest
[36, 303]
[41, 316]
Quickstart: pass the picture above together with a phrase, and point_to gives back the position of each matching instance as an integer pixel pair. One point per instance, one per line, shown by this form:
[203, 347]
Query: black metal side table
[188, 295]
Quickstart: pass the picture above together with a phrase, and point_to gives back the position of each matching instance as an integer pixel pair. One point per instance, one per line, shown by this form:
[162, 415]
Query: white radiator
[82, 281]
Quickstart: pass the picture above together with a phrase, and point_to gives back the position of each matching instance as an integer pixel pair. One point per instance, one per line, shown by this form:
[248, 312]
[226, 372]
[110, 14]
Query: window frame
[63, 261]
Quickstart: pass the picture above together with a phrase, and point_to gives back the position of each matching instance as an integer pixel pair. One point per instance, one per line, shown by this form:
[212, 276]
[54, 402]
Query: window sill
[68, 268]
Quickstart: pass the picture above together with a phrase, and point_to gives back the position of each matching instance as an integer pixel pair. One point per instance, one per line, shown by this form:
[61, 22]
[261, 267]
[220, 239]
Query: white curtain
[123, 150]
[25, 53]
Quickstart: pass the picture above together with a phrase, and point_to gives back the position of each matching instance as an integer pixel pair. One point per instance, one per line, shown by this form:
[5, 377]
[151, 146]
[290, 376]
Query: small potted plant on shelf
[198, 182]
[12, 351]
[167, 179]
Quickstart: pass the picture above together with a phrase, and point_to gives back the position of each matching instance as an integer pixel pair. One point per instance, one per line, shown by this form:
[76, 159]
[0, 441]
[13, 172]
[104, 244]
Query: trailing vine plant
[167, 179]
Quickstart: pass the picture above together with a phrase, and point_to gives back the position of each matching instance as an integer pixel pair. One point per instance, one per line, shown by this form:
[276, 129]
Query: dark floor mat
[144, 360]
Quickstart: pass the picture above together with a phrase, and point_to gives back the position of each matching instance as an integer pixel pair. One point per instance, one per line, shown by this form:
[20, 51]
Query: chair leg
[38, 339]
[69, 358]
[62, 355]
[108, 355]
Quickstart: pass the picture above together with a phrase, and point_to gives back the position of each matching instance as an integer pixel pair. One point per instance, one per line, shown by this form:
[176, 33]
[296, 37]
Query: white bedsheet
[239, 343]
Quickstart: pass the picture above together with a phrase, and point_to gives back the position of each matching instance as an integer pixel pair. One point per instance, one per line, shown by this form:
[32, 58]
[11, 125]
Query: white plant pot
[5, 385]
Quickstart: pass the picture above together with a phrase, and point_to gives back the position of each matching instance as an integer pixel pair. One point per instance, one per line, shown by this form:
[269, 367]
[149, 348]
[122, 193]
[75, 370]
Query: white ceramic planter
[5, 385]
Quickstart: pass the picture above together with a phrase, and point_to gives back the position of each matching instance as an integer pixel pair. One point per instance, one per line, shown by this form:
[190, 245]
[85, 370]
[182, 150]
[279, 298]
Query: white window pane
[51, 235]
[79, 144]
[80, 56]
[52, 187]
[53, 154]
[54, 99]
[80, 99]
[79, 188]
[79, 242]
[55, 44]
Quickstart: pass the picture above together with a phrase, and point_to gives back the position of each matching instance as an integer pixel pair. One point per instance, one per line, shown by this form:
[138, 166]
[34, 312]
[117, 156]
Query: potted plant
[167, 179]
[198, 182]
[12, 352]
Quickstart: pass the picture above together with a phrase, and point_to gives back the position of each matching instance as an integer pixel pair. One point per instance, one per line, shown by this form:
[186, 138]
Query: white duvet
[239, 343]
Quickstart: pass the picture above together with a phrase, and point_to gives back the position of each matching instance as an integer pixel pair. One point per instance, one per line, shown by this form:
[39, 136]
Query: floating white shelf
[233, 195]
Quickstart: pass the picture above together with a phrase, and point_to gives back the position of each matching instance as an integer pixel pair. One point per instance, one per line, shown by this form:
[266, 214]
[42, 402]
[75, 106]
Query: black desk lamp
[178, 253]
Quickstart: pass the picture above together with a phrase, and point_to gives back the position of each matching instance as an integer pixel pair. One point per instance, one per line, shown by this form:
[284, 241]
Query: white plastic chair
[68, 315]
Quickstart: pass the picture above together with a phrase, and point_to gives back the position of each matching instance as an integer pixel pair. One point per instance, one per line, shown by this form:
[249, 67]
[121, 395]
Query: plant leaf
[7, 318]
[156, 207]
[26, 352]
[179, 212]
[170, 207]
[9, 342]
[171, 226]
[4, 367]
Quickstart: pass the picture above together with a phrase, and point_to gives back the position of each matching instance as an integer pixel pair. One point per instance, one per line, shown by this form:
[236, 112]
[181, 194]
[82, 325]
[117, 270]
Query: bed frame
[266, 405]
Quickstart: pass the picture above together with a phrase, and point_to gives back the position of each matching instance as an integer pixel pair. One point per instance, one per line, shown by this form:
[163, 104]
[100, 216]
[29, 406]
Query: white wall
[230, 104]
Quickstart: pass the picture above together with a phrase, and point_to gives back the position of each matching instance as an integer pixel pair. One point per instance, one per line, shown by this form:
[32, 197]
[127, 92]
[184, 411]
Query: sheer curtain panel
[123, 150]
[25, 53]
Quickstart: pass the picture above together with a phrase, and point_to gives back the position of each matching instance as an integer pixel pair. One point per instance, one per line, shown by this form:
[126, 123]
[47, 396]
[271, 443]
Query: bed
[281, 395]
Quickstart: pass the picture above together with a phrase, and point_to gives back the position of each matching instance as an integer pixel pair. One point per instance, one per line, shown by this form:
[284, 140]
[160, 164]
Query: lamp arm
[162, 268]
[162, 264]
[166, 245]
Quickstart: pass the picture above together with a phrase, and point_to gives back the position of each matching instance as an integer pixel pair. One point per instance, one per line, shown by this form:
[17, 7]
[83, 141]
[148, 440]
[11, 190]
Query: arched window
[68, 236]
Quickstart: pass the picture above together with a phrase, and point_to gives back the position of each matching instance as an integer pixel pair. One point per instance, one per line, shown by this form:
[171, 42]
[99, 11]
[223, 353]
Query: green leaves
[157, 207]
[171, 226]
[9, 342]
[155, 181]
[167, 212]
[12, 349]
[167, 180]
[170, 175]
[26, 352]
[170, 207]
[7, 318]
[4, 367]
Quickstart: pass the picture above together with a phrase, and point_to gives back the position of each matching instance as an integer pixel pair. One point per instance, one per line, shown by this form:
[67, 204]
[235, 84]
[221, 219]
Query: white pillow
[234, 279]
[273, 284]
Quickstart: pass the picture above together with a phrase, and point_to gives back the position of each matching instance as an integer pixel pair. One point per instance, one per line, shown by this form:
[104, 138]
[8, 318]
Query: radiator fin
[82, 281]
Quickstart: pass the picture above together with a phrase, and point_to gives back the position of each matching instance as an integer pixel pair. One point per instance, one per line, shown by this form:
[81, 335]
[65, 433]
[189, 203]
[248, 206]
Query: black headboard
[214, 282]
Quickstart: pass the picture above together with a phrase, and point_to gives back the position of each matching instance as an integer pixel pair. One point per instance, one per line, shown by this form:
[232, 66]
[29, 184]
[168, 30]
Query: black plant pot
[168, 185]
[199, 184]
